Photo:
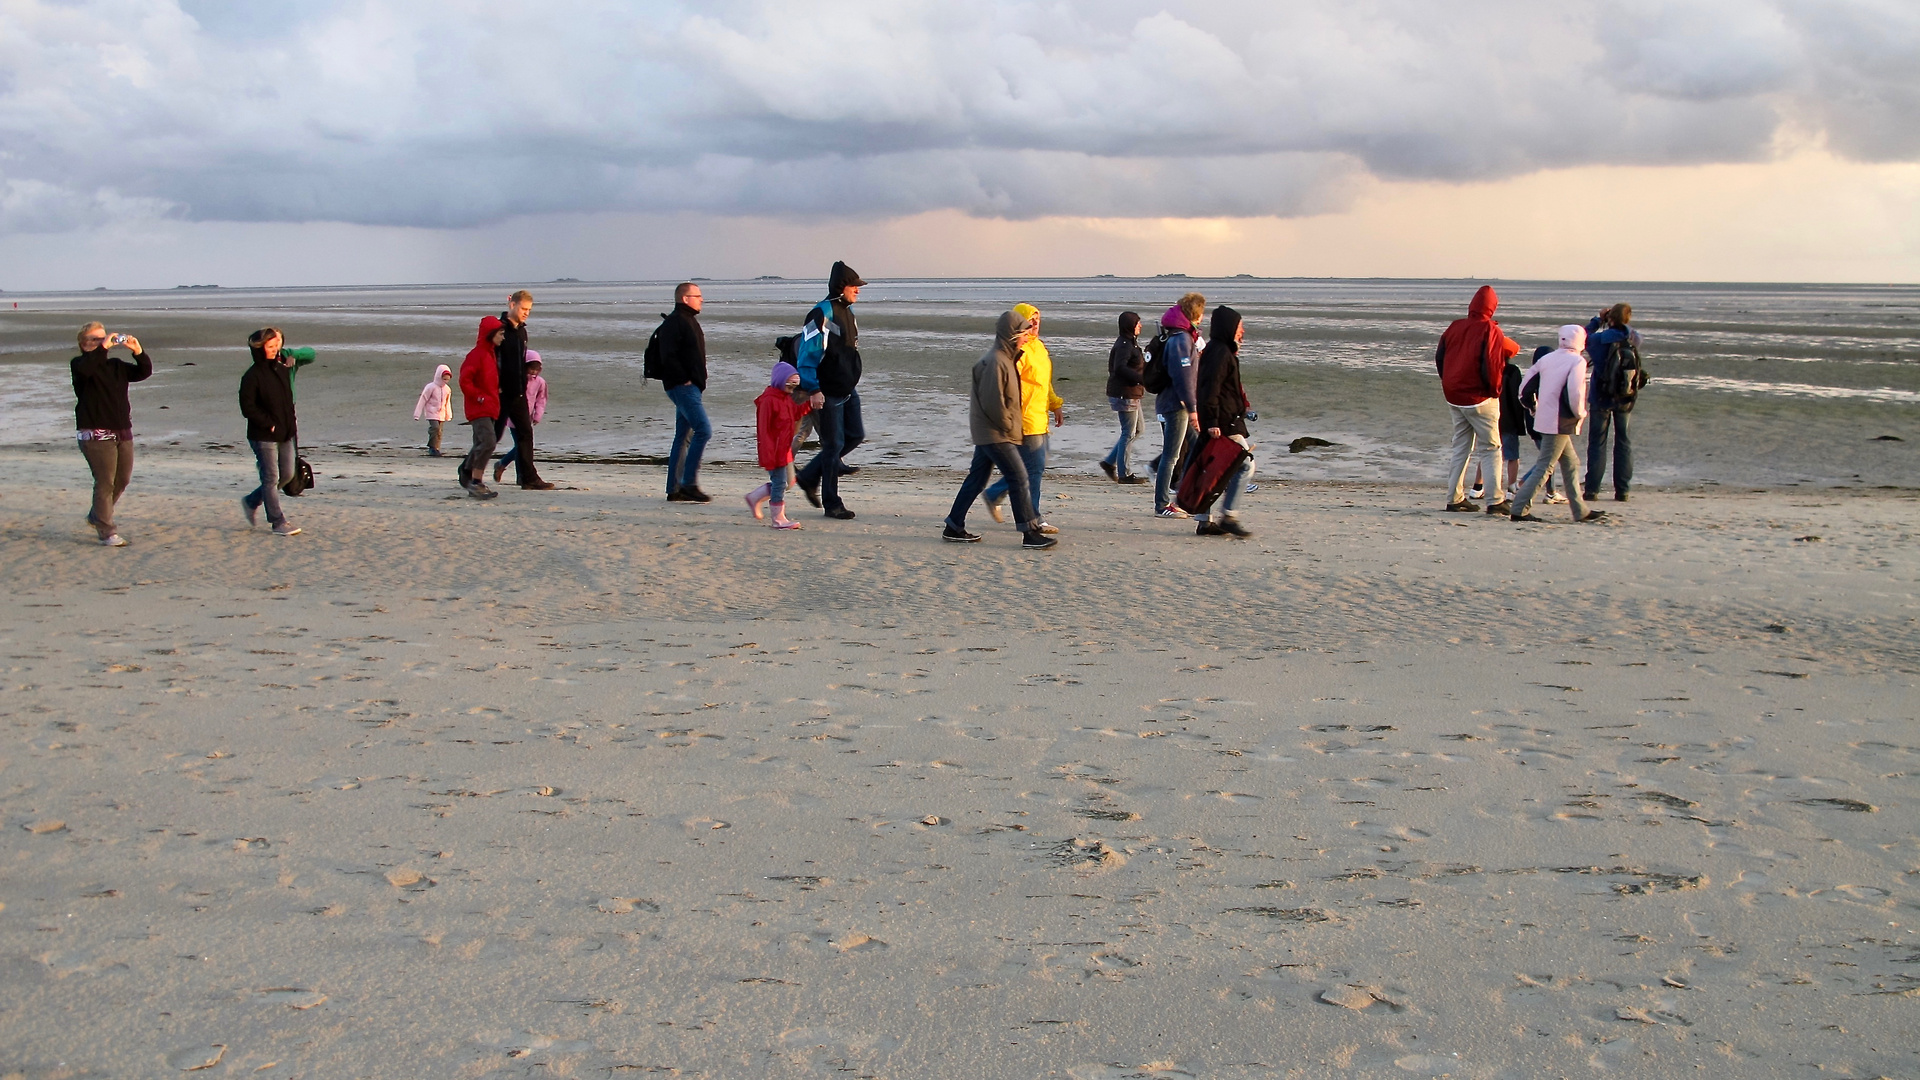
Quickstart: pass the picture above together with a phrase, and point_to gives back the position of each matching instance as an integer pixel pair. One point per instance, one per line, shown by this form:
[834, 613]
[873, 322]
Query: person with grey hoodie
[1558, 382]
[994, 420]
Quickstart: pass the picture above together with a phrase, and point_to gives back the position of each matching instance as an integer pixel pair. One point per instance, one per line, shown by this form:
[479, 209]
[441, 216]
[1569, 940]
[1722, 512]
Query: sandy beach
[581, 783]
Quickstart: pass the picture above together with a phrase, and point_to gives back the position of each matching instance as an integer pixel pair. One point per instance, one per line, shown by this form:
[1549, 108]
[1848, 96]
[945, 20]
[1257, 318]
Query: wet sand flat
[581, 783]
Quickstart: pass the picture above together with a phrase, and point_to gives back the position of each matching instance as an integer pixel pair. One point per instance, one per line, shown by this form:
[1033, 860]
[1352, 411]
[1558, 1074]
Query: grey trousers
[1554, 449]
[1476, 434]
[486, 433]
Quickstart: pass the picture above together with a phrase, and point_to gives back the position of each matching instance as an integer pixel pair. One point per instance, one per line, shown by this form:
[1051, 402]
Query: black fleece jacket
[512, 355]
[100, 389]
[683, 349]
[266, 400]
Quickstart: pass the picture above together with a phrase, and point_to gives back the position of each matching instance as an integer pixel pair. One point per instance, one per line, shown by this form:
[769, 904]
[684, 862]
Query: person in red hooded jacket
[480, 395]
[1472, 359]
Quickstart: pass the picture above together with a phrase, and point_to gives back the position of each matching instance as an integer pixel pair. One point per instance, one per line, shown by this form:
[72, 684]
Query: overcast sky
[153, 142]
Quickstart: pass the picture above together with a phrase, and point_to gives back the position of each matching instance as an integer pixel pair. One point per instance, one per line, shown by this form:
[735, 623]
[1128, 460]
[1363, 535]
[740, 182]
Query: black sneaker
[953, 535]
[1131, 478]
[1464, 506]
[1522, 517]
[1619, 496]
[1037, 541]
[1113, 474]
[839, 513]
[812, 492]
[1232, 527]
[1208, 528]
[849, 470]
[678, 495]
[692, 493]
[1594, 515]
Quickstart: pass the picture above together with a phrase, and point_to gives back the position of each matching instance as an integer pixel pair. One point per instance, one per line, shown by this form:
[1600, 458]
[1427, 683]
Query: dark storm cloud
[449, 113]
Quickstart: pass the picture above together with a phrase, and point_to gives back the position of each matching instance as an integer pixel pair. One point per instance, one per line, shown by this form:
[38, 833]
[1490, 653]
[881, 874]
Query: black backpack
[1621, 375]
[650, 360]
[788, 347]
[1154, 377]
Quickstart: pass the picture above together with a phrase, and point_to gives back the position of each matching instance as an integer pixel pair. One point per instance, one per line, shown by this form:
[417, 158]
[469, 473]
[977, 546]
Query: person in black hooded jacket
[1223, 413]
[103, 420]
[828, 359]
[266, 400]
[1126, 386]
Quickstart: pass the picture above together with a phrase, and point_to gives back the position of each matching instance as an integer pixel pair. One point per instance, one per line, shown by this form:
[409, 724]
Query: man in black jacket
[682, 368]
[266, 400]
[513, 390]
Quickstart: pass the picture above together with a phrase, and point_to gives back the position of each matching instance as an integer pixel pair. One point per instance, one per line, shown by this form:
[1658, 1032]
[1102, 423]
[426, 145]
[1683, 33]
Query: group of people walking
[1204, 467]
[1594, 375]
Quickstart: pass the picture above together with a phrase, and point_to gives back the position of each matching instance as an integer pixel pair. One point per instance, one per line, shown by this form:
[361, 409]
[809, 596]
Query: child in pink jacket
[536, 407]
[436, 406]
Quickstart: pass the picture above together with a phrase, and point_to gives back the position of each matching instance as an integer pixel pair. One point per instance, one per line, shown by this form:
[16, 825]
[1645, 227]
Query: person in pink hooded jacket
[1557, 384]
[536, 408]
[436, 406]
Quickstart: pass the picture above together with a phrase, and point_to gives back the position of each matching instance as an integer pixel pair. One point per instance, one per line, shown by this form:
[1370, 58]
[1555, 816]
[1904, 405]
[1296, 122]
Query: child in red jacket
[778, 410]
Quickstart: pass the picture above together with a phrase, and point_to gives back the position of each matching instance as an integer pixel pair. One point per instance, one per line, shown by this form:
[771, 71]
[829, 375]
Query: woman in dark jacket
[1126, 365]
[1223, 413]
[266, 400]
[103, 420]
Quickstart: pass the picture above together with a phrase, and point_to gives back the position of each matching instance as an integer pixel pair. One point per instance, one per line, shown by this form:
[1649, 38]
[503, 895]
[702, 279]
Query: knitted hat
[782, 371]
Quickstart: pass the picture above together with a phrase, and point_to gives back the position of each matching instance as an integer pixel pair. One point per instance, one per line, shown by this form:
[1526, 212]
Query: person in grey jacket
[994, 421]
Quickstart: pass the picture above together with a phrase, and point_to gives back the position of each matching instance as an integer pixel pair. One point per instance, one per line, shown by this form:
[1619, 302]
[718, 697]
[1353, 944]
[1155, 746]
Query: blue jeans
[840, 431]
[1600, 420]
[1178, 429]
[777, 485]
[275, 462]
[1132, 421]
[691, 430]
[1033, 456]
[1005, 457]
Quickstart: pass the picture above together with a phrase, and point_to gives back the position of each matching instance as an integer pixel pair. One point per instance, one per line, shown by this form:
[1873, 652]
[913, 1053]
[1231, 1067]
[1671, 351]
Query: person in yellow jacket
[1037, 403]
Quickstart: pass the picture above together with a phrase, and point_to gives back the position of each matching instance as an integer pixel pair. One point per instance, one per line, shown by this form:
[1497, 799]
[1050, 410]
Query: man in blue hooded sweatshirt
[828, 356]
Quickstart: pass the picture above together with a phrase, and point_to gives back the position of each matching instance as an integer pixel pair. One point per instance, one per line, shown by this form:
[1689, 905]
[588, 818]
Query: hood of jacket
[1129, 324]
[1226, 322]
[442, 372]
[487, 326]
[1011, 325]
[1175, 319]
[1573, 337]
[1485, 302]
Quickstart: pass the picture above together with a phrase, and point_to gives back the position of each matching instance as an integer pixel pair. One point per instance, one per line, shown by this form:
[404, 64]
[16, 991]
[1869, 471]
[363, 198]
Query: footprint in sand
[195, 1058]
[293, 997]
[45, 826]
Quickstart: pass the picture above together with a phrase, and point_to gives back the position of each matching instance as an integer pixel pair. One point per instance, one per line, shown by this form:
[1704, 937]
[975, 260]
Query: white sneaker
[286, 528]
[1555, 499]
[1172, 512]
[1477, 492]
[1044, 527]
[113, 541]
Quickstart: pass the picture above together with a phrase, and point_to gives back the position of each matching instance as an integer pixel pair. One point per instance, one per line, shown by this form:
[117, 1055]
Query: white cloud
[449, 113]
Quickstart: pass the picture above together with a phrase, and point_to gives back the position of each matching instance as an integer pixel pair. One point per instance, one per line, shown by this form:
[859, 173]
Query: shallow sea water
[1754, 385]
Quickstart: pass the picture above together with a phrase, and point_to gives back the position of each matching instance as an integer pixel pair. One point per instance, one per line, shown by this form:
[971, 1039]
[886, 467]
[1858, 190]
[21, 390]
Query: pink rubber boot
[758, 498]
[780, 517]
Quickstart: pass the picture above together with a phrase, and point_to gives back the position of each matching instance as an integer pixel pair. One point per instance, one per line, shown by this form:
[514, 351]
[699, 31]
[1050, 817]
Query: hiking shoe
[1477, 492]
[839, 513]
[1113, 474]
[1131, 478]
[1522, 517]
[1594, 515]
[1046, 527]
[678, 495]
[112, 540]
[1554, 498]
[286, 528]
[1589, 496]
[499, 470]
[689, 492]
[1208, 528]
[547, 485]
[1464, 506]
[849, 470]
[812, 492]
[1619, 496]
[1171, 512]
[482, 491]
[954, 535]
[993, 508]
[247, 508]
[1232, 527]
[1501, 508]
[1037, 541]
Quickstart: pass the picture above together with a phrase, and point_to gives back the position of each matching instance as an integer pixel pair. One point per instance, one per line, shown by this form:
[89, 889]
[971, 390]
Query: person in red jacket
[777, 411]
[1472, 359]
[480, 394]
